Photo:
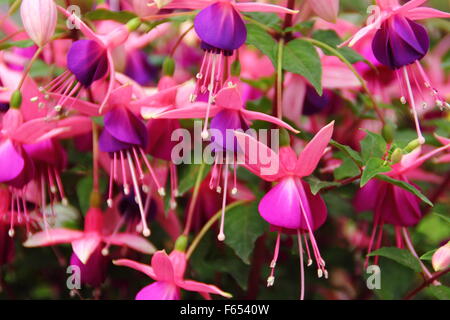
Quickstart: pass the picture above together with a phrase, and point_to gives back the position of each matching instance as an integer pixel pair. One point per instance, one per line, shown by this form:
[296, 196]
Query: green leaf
[103, 14]
[354, 155]
[445, 218]
[316, 185]
[372, 146]
[407, 187]
[269, 19]
[262, 40]
[188, 175]
[441, 292]
[17, 44]
[301, 57]
[401, 256]
[84, 188]
[331, 38]
[347, 169]
[373, 167]
[243, 226]
[428, 255]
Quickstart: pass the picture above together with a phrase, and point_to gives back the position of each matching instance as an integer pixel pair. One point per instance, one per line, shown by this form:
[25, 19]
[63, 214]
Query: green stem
[352, 69]
[198, 182]
[27, 70]
[280, 78]
[208, 225]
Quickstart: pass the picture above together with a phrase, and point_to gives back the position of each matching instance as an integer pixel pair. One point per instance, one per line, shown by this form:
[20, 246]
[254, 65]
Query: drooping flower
[400, 43]
[229, 114]
[392, 204]
[84, 243]
[39, 19]
[168, 273]
[221, 29]
[289, 206]
[88, 61]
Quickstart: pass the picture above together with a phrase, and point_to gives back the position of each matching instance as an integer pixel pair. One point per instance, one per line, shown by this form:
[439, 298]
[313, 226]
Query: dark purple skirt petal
[139, 68]
[314, 103]
[160, 131]
[92, 273]
[400, 42]
[223, 125]
[221, 26]
[107, 143]
[88, 61]
[124, 126]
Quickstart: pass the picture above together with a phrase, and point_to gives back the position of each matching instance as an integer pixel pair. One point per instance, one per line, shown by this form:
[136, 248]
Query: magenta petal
[93, 272]
[314, 205]
[11, 161]
[223, 126]
[108, 143]
[88, 61]
[221, 26]
[408, 209]
[366, 198]
[160, 131]
[281, 205]
[126, 127]
[48, 151]
[159, 291]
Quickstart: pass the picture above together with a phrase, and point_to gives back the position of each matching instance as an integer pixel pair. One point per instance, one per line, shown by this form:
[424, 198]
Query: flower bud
[181, 243]
[397, 155]
[168, 66]
[441, 258]
[39, 19]
[16, 100]
[388, 132]
[412, 146]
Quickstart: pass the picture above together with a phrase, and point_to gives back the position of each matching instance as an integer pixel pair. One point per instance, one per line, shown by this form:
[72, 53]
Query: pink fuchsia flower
[400, 43]
[289, 206]
[441, 258]
[84, 243]
[39, 19]
[168, 273]
[228, 114]
[88, 60]
[221, 28]
[392, 204]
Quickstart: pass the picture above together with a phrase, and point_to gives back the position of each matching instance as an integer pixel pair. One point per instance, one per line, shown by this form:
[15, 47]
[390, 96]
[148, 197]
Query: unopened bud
[168, 66]
[16, 100]
[441, 258]
[133, 24]
[181, 243]
[397, 155]
[388, 132]
[412, 146]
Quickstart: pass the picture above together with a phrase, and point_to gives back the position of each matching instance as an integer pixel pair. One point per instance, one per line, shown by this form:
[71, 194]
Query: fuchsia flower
[391, 204]
[84, 243]
[400, 43]
[39, 19]
[228, 114]
[221, 28]
[88, 60]
[168, 273]
[290, 206]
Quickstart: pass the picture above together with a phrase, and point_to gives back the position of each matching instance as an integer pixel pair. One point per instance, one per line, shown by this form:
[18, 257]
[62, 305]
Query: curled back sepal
[39, 20]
